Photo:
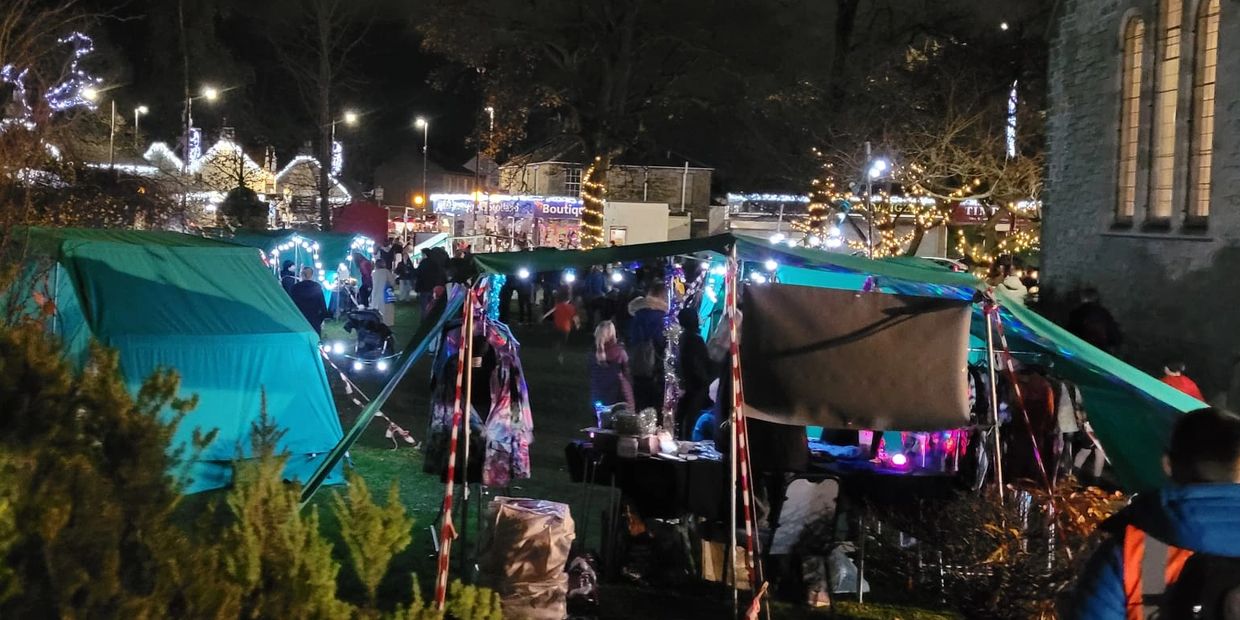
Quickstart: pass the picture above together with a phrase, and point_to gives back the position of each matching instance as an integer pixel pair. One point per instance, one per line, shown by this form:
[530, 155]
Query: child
[609, 373]
[1173, 375]
[564, 318]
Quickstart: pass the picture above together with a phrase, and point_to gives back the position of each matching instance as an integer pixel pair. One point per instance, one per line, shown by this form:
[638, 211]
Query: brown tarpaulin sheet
[839, 359]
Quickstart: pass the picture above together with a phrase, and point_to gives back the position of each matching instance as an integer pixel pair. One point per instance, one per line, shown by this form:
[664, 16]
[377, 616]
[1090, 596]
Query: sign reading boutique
[539, 207]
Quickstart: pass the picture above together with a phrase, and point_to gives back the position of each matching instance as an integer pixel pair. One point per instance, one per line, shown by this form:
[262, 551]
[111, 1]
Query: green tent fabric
[1131, 411]
[211, 311]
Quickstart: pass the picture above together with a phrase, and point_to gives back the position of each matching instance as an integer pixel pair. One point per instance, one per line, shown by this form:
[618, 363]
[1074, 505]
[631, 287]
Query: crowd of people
[395, 274]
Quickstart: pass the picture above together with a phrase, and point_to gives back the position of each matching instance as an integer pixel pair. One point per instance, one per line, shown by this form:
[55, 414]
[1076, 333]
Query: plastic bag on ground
[843, 573]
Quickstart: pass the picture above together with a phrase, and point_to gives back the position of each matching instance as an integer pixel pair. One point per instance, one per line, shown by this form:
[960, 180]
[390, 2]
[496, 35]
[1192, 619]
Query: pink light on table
[899, 460]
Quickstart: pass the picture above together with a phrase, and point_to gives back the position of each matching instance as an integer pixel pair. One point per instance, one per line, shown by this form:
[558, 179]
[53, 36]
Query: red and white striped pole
[738, 423]
[446, 531]
[740, 439]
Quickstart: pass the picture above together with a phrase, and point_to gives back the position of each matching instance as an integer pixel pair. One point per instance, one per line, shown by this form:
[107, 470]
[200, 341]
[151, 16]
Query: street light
[350, 117]
[92, 94]
[422, 124]
[877, 168]
[210, 93]
[138, 111]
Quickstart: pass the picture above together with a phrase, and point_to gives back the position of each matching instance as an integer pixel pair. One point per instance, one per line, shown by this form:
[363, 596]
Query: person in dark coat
[431, 272]
[308, 297]
[646, 343]
[694, 367]
[366, 268]
[287, 277]
[1093, 323]
[776, 453]
[525, 299]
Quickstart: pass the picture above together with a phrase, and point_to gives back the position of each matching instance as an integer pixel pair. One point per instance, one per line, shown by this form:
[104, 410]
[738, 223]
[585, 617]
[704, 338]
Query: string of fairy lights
[593, 198]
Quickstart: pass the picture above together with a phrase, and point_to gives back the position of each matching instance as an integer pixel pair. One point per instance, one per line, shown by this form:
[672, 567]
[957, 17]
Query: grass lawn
[560, 402]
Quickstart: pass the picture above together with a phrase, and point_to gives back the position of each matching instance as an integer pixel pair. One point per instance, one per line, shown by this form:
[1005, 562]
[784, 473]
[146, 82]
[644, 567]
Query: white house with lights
[296, 190]
[292, 190]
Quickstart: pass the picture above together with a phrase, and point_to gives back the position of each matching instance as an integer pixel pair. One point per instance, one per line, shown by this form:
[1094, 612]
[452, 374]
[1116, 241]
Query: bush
[88, 510]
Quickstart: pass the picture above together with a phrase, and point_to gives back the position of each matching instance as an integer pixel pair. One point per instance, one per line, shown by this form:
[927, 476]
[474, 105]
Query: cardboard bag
[713, 564]
[528, 543]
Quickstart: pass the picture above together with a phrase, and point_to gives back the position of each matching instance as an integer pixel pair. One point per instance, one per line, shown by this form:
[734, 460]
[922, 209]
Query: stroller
[375, 343]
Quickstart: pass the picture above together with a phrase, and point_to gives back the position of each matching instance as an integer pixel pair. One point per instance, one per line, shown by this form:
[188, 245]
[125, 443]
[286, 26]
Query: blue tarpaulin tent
[207, 309]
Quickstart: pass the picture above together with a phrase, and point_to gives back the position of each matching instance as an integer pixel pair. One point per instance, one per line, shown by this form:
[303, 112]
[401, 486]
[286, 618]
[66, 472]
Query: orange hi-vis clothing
[1150, 567]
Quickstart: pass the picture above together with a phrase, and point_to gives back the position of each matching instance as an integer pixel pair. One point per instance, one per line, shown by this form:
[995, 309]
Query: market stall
[518, 221]
[847, 318]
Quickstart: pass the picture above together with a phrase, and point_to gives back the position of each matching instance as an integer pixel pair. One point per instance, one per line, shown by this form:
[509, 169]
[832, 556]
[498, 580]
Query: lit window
[572, 181]
[1166, 93]
[1130, 118]
[1204, 72]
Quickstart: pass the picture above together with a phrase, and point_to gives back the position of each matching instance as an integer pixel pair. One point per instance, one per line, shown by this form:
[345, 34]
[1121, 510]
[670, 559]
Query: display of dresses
[499, 446]
[510, 424]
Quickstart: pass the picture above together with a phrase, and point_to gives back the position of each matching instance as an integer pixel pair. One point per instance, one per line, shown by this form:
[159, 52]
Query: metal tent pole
[732, 469]
[468, 408]
[989, 308]
[422, 341]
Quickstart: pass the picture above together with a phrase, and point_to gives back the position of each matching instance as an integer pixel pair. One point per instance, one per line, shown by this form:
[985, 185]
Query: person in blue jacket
[1199, 513]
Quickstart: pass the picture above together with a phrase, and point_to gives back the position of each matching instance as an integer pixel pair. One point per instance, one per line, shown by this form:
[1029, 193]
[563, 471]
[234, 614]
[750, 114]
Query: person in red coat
[1173, 375]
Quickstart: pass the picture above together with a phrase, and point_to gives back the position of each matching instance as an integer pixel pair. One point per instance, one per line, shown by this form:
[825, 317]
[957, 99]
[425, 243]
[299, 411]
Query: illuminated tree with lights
[947, 145]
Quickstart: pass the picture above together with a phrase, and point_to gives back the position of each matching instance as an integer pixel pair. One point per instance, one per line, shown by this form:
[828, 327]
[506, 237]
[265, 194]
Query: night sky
[387, 80]
[390, 80]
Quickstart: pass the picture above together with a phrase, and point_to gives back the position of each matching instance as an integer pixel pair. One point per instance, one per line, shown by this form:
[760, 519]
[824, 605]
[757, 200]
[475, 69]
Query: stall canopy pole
[740, 454]
[447, 532]
[422, 340]
[732, 468]
[469, 392]
[991, 309]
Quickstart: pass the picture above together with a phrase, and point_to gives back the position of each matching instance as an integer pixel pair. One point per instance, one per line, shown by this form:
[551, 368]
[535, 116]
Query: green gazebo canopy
[1132, 412]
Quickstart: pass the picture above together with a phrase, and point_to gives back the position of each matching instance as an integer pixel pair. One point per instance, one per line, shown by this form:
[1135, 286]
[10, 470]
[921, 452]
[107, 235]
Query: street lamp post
[210, 94]
[350, 119]
[421, 123]
[138, 111]
[874, 168]
[92, 94]
[112, 137]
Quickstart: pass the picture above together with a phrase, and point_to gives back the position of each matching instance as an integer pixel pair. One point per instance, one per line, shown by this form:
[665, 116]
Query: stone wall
[1174, 291]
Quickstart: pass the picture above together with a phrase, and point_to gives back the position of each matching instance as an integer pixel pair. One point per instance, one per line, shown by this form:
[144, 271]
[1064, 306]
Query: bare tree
[934, 101]
[316, 49]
